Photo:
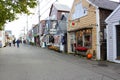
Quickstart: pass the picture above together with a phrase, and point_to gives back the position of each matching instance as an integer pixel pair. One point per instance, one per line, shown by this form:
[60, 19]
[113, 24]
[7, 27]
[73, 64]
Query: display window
[84, 38]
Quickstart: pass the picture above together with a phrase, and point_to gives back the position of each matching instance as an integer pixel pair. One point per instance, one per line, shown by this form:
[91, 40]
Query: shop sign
[53, 31]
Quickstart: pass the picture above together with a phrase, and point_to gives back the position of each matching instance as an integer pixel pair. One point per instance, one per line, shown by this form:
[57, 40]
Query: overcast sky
[18, 25]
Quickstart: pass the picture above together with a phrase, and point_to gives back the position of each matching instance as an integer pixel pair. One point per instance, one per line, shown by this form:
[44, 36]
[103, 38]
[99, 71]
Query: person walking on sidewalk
[10, 41]
[14, 42]
[18, 42]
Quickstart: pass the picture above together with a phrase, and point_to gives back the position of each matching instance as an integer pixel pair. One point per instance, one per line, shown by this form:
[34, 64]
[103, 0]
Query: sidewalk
[105, 68]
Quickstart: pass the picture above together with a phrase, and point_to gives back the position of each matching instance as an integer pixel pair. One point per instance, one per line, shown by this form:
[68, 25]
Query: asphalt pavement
[35, 63]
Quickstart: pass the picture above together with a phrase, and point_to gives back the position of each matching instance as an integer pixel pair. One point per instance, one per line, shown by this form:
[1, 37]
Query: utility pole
[27, 24]
[39, 16]
[39, 32]
[39, 11]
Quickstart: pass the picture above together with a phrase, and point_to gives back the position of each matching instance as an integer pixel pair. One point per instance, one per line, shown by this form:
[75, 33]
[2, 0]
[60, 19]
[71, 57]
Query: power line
[46, 4]
[47, 9]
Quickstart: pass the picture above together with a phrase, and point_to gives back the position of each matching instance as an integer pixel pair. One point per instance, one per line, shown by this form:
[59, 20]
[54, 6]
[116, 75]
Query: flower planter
[81, 50]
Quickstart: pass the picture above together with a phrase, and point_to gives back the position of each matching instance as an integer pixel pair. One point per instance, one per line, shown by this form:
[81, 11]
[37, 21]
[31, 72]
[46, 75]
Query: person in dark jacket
[18, 42]
[14, 42]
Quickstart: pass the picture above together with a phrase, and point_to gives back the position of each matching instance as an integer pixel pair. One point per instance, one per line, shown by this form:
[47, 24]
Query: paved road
[33, 63]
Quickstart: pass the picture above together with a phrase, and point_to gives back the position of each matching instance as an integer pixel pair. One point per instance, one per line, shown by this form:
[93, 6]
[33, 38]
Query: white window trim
[115, 43]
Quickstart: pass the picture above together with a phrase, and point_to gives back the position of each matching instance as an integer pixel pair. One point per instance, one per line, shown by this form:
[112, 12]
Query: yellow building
[86, 26]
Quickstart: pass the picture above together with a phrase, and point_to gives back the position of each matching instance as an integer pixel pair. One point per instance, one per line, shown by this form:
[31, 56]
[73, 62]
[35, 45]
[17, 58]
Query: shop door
[72, 41]
[118, 40]
[65, 45]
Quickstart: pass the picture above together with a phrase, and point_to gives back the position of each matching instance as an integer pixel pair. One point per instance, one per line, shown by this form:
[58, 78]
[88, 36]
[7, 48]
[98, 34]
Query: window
[87, 40]
[84, 38]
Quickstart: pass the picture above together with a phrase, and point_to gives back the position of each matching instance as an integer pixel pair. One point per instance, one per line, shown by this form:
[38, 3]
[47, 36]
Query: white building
[113, 36]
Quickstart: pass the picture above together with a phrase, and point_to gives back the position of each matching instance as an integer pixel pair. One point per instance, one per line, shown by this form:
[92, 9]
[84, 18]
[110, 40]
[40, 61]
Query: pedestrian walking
[14, 42]
[0, 43]
[18, 42]
[10, 41]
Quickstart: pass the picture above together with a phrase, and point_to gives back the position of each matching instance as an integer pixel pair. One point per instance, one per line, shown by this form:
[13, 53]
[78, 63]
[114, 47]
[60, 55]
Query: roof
[61, 7]
[105, 4]
[112, 13]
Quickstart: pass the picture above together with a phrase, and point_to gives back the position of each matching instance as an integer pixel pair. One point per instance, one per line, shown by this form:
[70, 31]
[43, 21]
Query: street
[35, 63]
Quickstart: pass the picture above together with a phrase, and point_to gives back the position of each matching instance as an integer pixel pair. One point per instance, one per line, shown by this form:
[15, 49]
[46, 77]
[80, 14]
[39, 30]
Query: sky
[17, 27]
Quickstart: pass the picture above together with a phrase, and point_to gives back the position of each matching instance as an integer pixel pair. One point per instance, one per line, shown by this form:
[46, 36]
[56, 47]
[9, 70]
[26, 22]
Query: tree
[10, 8]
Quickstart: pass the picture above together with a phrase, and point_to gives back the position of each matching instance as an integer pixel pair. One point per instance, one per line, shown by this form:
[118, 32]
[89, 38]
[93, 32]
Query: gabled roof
[112, 13]
[105, 4]
[60, 7]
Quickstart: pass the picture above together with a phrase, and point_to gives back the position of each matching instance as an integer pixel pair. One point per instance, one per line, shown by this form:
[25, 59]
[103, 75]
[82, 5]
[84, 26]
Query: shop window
[79, 38]
[84, 38]
[87, 40]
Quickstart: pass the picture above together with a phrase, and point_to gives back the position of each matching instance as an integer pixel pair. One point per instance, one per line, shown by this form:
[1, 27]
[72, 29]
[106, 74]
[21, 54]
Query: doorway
[118, 41]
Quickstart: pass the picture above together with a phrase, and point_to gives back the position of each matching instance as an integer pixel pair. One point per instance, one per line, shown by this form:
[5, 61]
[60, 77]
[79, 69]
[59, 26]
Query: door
[118, 40]
[72, 41]
[103, 47]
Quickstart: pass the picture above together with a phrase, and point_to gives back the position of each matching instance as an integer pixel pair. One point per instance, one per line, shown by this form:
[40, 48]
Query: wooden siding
[110, 51]
[103, 15]
[115, 17]
[84, 21]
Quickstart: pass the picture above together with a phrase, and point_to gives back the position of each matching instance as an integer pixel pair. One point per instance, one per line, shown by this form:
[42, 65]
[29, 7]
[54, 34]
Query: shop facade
[36, 35]
[86, 27]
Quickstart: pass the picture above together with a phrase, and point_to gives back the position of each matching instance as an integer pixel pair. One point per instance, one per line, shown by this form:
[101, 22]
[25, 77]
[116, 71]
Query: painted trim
[115, 43]
[112, 14]
[107, 42]
[98, 30]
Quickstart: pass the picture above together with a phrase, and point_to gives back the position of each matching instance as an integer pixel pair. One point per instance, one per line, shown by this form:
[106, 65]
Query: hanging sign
[53, 31]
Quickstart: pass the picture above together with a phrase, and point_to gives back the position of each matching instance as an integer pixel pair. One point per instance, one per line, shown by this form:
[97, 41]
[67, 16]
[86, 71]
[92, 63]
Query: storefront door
[73, 40]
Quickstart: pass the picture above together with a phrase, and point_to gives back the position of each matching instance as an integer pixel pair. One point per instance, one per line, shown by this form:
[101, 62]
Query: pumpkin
[89, 56]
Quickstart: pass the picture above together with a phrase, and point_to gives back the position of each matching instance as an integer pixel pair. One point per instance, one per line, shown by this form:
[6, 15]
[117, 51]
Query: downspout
[98, 35]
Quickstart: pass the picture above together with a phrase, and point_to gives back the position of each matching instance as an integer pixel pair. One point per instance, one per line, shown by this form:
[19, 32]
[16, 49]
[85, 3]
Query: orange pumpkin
[89, 55]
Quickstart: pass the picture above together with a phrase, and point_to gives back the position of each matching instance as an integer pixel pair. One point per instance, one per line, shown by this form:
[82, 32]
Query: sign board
[53, 31]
